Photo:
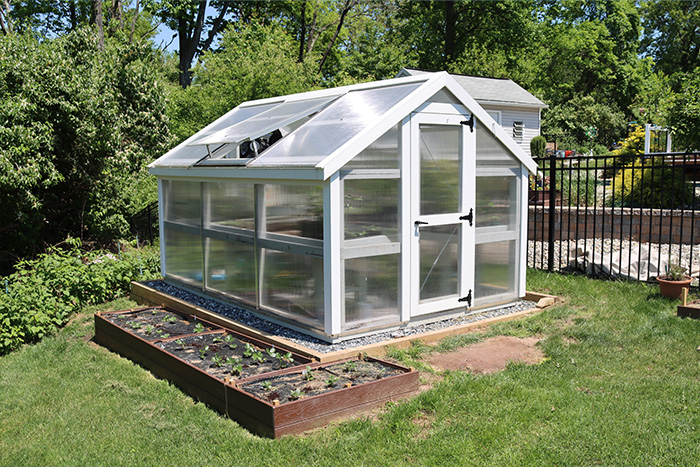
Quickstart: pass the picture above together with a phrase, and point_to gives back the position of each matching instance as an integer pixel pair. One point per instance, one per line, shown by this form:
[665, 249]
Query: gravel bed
[565, 252]
[245, 317]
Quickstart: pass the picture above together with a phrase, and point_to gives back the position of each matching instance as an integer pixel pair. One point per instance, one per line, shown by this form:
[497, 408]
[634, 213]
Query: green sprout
[181, 343]
[295, 394]
[236, 368]
[199, 327]
[285, 360]
[218, 360]
[350, 366]
[249, 350]
[330, 382]
[203, 352]
[267, 386]
[308, 374]
[169, 319]
[149, 329]
[258, 356]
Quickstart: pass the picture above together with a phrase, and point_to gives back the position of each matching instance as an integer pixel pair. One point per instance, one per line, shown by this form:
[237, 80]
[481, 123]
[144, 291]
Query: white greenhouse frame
[306, 215]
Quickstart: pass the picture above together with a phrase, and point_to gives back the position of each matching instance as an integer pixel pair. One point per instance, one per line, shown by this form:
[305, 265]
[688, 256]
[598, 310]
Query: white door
[442, 209]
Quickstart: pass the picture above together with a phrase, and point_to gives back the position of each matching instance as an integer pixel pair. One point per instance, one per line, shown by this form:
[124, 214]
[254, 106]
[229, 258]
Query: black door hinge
[467, 299]
[469, 122]
[469, 217]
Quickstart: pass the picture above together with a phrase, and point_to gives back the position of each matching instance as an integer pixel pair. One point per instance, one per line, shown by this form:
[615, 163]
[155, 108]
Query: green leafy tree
[672, 34]
[253, 62]
[568, 122]
[77, 127]
[443, 34]
[684, 112]
[372, 48]
[197, 30]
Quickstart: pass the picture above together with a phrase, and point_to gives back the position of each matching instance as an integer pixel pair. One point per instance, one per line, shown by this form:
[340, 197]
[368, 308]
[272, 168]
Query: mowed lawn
[620, 386]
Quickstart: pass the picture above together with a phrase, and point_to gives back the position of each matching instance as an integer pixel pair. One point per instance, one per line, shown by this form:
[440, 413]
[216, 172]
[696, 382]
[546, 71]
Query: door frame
[467, 197]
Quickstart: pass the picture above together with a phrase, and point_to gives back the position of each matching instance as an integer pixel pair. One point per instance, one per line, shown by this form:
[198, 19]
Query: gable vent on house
[518, 128]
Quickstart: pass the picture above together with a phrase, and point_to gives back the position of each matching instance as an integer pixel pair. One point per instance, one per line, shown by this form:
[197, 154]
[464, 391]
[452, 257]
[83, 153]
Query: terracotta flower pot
[672, 289]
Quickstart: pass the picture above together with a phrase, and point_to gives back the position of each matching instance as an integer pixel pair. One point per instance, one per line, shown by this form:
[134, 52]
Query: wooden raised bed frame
[253, 413]
[688, 309]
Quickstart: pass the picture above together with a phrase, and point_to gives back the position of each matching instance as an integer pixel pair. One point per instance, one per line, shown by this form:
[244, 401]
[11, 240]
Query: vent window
[518, 128]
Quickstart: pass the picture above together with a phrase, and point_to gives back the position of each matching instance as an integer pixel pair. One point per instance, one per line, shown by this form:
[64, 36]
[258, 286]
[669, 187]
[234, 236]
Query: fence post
[552, 217]
[150, 225]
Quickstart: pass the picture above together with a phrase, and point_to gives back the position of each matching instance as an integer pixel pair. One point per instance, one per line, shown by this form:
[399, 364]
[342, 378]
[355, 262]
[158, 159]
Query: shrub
[652, 184]
[578, 187]
[538, 145]
[42, 294]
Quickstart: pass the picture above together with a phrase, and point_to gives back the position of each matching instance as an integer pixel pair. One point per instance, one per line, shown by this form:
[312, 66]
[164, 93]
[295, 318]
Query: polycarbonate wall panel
[334, 126]
[439, 169]
[371, 291]
[183, 254]
[231, 204]
[490, 152]
[294, 210]
[293, 285]
[382, 154]
[495, 272]
[231, 269]
[372, 208]
[439, 261]
[182, 202]
[497, 202]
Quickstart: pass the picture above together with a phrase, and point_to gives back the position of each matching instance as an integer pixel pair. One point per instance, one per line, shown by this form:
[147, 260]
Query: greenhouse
[344, 211]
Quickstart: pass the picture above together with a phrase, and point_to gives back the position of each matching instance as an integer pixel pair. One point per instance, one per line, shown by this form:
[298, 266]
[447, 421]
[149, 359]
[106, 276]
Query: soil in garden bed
[313, 381]
[227, 357]
[157, 323]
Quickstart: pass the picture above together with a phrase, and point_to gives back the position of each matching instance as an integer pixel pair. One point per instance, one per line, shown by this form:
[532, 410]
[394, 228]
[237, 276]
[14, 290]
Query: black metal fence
[145, 223]
[616, 216]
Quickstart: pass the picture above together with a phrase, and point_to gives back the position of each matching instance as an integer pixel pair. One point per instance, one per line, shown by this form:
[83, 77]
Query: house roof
[318, 131]
[489, 91]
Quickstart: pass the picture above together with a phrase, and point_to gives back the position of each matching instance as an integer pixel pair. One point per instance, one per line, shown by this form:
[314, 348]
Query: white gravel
[565, 252]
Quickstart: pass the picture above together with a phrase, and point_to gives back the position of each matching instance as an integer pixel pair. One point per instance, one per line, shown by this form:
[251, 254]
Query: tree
[443, 34]
[77, 127]
[684, 112]
[672, 34]
[197, 31]
[568, 122]
[373, 48]
[254, 61]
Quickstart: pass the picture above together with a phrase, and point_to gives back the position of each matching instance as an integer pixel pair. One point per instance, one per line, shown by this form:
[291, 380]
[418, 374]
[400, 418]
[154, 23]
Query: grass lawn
[620, 386]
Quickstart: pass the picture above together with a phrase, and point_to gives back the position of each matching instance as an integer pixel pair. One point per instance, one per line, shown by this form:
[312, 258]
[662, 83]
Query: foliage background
[88, 97]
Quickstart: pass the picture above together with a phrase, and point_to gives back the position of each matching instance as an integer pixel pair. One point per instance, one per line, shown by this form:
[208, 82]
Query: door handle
[420, 223]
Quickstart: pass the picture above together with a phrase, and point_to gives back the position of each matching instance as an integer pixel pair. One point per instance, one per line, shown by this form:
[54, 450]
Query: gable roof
[493, 91]
[326, 128]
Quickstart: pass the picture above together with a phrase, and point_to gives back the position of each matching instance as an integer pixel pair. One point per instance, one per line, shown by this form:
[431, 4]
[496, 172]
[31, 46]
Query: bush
[538, 145]
[42, 294]
[652, 184]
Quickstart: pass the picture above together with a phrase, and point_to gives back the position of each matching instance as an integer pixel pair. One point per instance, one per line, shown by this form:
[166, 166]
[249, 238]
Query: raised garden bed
[288, 401]
[272, 391]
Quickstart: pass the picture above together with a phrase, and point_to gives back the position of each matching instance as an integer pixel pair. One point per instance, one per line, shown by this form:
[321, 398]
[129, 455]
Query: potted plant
[672, 283]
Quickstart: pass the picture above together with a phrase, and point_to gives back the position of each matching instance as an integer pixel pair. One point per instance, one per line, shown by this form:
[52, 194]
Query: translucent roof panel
[337, 124]
[186, 155]
[267, 121]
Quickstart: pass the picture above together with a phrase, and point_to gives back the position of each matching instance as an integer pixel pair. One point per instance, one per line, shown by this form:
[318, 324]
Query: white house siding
[529, 117]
